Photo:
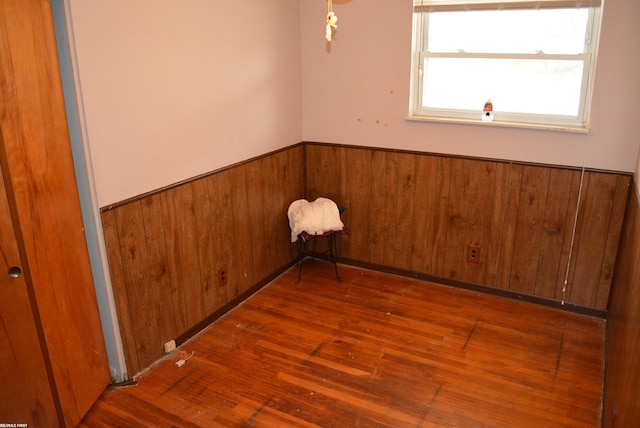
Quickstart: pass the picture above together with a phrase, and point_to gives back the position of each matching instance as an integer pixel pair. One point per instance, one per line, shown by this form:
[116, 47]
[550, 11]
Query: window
[532, 59]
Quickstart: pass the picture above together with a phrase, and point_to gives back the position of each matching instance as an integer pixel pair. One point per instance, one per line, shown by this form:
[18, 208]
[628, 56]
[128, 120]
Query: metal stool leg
[300, 258]
[333, 253]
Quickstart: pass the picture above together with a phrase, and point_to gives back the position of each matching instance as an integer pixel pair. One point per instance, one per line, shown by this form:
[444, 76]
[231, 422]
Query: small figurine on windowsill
[487, 111]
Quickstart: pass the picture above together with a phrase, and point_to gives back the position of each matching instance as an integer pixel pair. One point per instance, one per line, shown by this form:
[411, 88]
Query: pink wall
[174, 89]
[356, 91]
[171, 90]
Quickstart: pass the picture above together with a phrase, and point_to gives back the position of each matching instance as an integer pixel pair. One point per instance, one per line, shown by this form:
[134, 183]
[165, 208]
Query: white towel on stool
[315, 218]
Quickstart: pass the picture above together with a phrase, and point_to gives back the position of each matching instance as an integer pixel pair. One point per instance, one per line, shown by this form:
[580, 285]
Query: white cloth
[315, 218]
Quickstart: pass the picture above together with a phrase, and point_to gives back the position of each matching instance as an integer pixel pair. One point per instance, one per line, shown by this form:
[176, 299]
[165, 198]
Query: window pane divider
[536, 56]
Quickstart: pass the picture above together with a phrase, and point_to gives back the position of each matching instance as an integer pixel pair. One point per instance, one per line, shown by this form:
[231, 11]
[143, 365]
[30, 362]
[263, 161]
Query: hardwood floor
[373, 350]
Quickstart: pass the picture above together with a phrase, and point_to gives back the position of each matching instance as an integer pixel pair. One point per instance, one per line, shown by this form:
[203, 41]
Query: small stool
[305, 237]
[310, 220]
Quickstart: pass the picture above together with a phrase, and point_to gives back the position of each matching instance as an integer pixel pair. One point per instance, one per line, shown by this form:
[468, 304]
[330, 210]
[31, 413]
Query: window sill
[523, 125]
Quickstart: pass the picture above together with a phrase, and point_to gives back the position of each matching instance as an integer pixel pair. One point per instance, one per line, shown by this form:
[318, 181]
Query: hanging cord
[575, 220]
[184, 359]
[573, 237]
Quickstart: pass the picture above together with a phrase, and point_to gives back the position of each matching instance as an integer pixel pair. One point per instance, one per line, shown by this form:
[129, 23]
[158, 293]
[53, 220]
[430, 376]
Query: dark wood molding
[475, 158]
[479, 288]
[304, 144]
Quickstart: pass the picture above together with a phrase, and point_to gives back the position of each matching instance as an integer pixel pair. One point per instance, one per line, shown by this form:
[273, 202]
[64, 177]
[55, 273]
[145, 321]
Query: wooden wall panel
[601, 222]
[616, 223]
[375, 207]
[425, 199]
[119, 286]
[287, 174]
[241, 227]
[359, 195]
[205, 213]
[408, 211]
[621, 407]
[419, 213]
[528, 220]
[183, 254]
[551, 239]
[390, 209]
[226, 222]
[405, 189]
[439, 239]
[136, 267]
[469, 215]
[166, 249]
[508, 231]
[159, 268]
[494, 240]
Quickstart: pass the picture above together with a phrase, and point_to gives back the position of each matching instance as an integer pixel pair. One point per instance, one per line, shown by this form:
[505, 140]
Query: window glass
[534, 65]
[514, 85]
[560, 31]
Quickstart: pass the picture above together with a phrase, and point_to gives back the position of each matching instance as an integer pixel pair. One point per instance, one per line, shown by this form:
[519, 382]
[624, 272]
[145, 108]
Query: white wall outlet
[169, 346]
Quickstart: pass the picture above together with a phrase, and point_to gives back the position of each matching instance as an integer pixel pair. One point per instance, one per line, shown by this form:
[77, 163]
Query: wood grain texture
[38, 165]
[622, 408]
[165, 250]
[419, 213]
[26, 394]
[374, 350]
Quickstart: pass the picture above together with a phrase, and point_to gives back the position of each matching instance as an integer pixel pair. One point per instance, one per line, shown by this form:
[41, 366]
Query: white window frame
[578, 123]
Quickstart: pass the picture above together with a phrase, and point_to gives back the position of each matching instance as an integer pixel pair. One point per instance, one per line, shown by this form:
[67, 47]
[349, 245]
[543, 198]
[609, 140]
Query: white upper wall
[356, 91]
[171, 90]
[174, 89]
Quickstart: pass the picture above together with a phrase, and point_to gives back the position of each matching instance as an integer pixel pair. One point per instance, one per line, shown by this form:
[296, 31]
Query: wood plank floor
[374, 351]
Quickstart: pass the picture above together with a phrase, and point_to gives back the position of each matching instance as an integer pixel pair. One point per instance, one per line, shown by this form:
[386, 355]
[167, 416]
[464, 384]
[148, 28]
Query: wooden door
[25, 393]
[39, 174]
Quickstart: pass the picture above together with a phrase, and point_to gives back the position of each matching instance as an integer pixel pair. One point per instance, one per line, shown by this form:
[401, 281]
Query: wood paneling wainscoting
[420, 212]
[622, 408]
[408, 212]
[178, 255]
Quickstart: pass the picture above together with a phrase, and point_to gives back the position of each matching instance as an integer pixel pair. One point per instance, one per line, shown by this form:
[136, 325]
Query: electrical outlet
[169, 346]
[473, 254]
[223, 276]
